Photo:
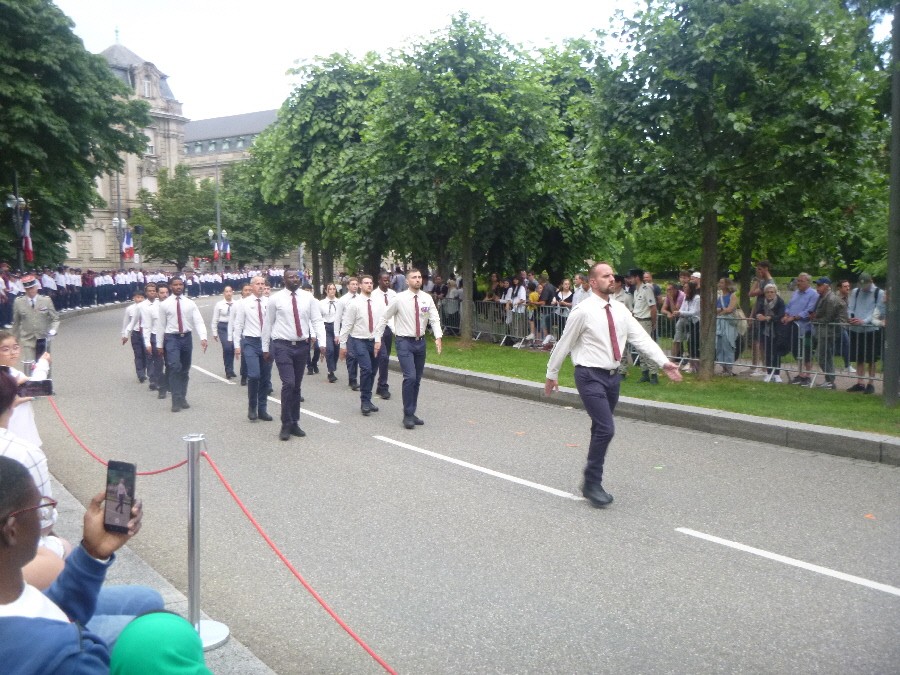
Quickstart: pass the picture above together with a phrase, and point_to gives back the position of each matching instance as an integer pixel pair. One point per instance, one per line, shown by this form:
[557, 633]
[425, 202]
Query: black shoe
[295, 430]
[870, 389]
[264, 416]
[368, 408]
[857, 387]
[309, 371]
[316, 369]
[176, 406]
[184, 404]
[354, 386]
[596, 495]
[161, 394]
[645, 376]
[142, 380]
[243, 381]
[302, 400]
[153, 387]
[409, 421]
[384, 393]
[285, 433]
[230, 376]
[252, 415]
[654, 379]
[332, 378]
[827, 385]
[418, 421]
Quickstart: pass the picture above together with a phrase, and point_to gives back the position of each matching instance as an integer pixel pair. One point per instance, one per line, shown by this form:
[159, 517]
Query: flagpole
[218, 219]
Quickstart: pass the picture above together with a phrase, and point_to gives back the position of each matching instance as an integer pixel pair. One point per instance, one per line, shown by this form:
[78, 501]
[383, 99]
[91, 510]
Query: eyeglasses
[10, 349]
[45, 508]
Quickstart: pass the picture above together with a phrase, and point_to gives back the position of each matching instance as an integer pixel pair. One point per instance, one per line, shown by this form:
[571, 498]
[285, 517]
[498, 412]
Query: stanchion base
[213, 634]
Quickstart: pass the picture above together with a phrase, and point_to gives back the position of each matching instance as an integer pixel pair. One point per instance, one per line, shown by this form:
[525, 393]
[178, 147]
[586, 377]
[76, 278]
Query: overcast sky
[226, 58]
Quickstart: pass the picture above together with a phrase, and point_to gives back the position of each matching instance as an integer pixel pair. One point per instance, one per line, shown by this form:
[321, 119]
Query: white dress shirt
[168, 318]
[245, 322]
[403, 311]
[587, 337]
[131, 320]
[149, 319]
[220, 314]
[279, 319]
[379, 297]
[341, 306]
[328, 308]
[355, 322]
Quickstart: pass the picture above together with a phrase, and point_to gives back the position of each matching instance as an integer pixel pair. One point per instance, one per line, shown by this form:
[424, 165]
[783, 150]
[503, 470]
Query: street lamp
[219, 236]
[17, 205]
[120, 224]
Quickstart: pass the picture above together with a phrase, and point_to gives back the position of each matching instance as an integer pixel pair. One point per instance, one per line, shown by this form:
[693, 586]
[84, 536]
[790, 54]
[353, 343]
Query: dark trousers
[290, 359]
[383, 358]
[331, 349]
[352, 368]
[155, 364]
[227, 348]
[140, 354]
[411, 354]
[313, 358]
[259, 373]
[179, 348]
[364, 353]
[599, 391]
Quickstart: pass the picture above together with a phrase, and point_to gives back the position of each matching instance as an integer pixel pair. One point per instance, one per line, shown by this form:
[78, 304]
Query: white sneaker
[852, 370]
[767, 378]
[758, 373]
[548, 340]
[530, 336]
[777, 378]
[686, 366]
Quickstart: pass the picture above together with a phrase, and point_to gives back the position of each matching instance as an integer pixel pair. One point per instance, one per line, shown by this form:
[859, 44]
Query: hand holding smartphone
[35, 388]
[120, 482]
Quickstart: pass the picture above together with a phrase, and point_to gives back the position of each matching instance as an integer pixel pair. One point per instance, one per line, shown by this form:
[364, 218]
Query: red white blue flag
[26, 237]
[128, 246]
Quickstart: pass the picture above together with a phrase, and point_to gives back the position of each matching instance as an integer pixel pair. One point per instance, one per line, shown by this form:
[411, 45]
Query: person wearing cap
[865, 306]
[829, 315]
[35, 320]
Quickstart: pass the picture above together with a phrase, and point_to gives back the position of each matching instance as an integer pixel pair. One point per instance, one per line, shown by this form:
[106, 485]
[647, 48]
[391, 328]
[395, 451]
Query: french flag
[227, 250]
[26, 237]
[128, 246]
[215, 250]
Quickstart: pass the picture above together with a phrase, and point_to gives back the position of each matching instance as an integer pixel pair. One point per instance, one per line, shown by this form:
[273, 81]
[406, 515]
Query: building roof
[121, 60]
[248, 124]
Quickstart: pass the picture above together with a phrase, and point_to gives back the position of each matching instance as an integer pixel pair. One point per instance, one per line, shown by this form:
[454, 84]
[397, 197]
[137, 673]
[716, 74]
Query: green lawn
[749, 396]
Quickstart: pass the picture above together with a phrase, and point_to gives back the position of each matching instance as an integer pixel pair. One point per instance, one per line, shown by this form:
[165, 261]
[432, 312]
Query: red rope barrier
[293, 570]
[253, 522]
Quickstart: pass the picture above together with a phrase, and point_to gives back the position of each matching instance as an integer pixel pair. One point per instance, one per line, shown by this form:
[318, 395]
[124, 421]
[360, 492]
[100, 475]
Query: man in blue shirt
[796, 315]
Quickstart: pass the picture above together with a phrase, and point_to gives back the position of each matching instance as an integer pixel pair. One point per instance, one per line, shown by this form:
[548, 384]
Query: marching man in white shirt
[149, 310]
[132, 328]
[290, 310]
[381, 298]
[596, 332]
[179, 318]
[246, 331]
[357, 335]
[219, 330]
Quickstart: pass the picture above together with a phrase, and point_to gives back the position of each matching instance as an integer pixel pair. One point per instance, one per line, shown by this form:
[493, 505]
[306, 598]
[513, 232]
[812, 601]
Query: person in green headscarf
[158, 643]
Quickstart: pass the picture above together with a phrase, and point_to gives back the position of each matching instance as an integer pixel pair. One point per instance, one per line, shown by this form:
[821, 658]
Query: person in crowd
[246, 290]
[535, 325]
[147, 322]
[796, 315]
[829, 315]
[563, 302]
[348, 297]
[671, 304]
[726, 325]
[595, 334]
[645, 311]
[657, 292]
[285, 342]
[246, 332]
[328, 309]
[158, 643]
[411, 310]
[495, 289]
[451, 308]
[219, 330]
[357, 335]
[382, 296]
[866, 311]
[775, 335]
[515, 298]
[690, 312]
[582, 288]
[133, 331]
[545, 302]
[179, 317]
[843, 292]
[35, 320]
[760, 281]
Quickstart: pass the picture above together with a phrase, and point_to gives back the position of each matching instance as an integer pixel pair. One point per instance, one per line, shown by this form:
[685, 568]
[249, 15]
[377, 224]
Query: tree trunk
[316, 270]
[467, 309]
[327, 266]
[709, 272]
[748, 240]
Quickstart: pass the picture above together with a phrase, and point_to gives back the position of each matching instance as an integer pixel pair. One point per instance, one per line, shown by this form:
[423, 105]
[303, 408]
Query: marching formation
[292, 330]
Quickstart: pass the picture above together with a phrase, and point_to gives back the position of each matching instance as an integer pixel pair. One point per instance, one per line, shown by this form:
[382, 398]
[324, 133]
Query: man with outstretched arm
[595, 334]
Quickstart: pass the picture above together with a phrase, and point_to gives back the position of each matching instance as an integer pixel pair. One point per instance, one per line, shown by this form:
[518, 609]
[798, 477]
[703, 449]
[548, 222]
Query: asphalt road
[442, 567]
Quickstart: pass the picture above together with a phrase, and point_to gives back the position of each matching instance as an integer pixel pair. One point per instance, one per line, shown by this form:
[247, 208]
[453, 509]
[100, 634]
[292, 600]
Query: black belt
[293, 343]
[608, 371]
[223, 323]
[411, 337]
[363, 339]
[184, 334]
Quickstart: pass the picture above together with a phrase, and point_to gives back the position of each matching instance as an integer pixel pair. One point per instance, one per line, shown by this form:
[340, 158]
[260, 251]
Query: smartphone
[120, 478]
[36, 388]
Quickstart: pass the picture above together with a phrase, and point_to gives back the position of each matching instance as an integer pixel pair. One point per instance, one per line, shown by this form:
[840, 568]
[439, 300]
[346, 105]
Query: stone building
[222, 140]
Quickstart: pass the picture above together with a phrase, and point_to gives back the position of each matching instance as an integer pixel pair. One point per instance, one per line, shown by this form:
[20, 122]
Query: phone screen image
[36, 388]
[120, 479]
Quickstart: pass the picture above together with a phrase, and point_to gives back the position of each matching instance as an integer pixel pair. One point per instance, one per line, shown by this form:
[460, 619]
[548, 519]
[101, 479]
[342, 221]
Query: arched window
[98, 244]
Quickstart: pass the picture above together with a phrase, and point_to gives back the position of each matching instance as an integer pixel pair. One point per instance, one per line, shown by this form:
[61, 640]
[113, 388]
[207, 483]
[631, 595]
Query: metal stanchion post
[212, 633]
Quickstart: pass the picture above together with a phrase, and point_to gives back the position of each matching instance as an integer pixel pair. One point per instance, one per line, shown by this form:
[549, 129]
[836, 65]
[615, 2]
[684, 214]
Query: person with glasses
[49, 632]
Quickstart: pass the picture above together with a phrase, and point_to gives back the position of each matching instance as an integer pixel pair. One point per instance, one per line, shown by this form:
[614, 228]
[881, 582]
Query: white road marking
[271, 398]
[893, 590]
[489, 472]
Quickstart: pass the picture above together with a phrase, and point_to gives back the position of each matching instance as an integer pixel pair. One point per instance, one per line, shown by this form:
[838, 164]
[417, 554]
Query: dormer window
[212, 146]
[225, 144]
[240, 142]
[147, 87]
[198, 148]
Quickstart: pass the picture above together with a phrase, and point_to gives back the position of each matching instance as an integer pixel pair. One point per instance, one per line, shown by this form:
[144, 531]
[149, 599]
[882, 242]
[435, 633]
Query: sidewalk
[232, 658]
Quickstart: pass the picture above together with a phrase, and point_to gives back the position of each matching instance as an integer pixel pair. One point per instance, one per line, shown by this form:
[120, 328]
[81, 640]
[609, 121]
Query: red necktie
[617, 355]
[385, 300]
[259, 313]
[418, 325]
[178, 312]
[371, 320]
[296, 315]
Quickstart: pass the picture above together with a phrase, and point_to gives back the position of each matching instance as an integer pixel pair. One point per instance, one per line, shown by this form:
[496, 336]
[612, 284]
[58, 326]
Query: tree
[65, 121]
[723, 110]
[177, 217]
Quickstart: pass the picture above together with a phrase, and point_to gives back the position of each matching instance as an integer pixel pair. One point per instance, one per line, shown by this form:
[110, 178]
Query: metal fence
[815, 353]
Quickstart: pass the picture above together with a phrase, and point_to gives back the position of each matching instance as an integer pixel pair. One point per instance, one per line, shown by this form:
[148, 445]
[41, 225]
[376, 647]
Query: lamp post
[219, 236]
[17, 204]
[118, 222]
